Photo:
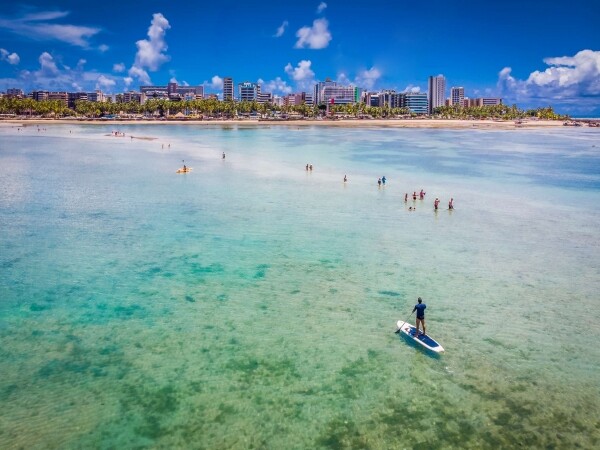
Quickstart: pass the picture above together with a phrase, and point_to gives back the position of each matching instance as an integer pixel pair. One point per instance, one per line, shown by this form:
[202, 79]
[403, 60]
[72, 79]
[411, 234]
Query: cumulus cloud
[11, 58]
[54, 76]
[367, 78]
[569, 80]
[364, 79]
[103, 48]
[39, 26]
[302, 74]
[321, 7]
[281, 29]
[215, 83]
[104, 83]
[411, 89]
[150, 54]
[276, 86]
[315, 37]
[47, 65]
[119, 67]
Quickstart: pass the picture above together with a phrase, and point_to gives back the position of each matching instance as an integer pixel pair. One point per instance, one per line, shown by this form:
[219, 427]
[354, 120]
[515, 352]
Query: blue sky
[530, 52]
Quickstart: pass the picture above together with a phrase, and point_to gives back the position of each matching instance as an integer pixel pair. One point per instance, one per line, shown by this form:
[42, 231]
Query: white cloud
[315, 37]
[281, 29]
[412, 89]
[150, 54]
[364, 79]
[103, 48]
[47, 65]
[215, 83]
[37, 26]
[367, 78]
[173, 80]
[54, 76]
[569, 80]
[276, 86]
[127, 81]
[321, 7]
[302, 74]
[11, 58]
[140, 74]
[119, 67]
[105, 83]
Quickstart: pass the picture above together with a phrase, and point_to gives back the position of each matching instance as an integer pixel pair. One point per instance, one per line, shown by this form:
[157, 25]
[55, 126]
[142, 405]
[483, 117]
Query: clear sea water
[252, 304]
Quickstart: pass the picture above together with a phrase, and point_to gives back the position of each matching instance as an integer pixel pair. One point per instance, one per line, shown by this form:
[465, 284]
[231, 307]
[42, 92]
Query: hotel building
[331, 92]
[248, 92]
[457, 96]
[228, 89]
[436, 92]
[172, 91]
[416, 102]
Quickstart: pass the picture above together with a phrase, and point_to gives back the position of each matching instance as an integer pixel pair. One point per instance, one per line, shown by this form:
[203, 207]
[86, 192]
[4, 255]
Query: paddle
[398, 330]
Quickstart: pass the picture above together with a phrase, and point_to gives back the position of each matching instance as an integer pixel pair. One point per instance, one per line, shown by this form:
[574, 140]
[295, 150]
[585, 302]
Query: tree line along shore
[204, 109]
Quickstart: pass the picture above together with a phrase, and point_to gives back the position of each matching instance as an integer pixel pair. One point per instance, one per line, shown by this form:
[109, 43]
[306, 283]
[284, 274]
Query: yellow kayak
[186, 170]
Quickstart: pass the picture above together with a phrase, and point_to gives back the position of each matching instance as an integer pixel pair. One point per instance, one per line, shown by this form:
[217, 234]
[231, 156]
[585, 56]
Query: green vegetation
[503, 112]
[217, 109]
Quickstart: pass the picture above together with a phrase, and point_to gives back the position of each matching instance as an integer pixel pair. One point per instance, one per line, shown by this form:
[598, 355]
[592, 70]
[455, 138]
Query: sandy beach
[350, 123]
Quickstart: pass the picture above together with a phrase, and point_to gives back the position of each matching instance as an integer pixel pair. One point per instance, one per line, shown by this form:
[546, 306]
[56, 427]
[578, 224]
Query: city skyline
[508, 50]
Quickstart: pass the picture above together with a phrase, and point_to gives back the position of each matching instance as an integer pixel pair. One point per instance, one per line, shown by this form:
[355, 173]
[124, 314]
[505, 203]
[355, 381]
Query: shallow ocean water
[252, 304]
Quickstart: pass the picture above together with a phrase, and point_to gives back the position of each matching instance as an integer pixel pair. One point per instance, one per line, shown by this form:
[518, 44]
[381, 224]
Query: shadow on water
[411, 342]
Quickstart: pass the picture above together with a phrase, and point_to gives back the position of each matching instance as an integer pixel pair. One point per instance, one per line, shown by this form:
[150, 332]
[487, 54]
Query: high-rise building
[96, 96]
[15, 92]
[248, 92]
[73, 97]
[436, 92]
[457, 96]
[227, 89]
[331, 92]
[172, 91]
[416, 102]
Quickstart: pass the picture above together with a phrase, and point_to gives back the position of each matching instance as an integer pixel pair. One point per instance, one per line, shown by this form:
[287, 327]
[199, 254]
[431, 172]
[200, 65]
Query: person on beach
[379, 182]
[307, 167]
[345, 178]
[405, 197]
[223, 155]
[451, 204]
[421, 195]
[420, 309]
[436, 203]
[310, 167]
[414, 196]
[383, 180]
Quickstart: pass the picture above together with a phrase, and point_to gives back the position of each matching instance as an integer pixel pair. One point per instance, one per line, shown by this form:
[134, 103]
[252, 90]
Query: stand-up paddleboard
[425, 340]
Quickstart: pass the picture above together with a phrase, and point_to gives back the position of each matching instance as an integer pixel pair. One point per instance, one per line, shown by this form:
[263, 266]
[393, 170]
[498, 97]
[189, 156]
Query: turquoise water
[252, 304]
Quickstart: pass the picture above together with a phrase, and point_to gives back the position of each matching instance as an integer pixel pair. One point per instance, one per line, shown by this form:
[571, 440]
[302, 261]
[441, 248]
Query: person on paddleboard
[420, 309]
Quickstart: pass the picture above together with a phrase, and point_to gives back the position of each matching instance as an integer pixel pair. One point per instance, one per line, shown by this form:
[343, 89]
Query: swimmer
[345, 178]
[223, 155]
[405, 197]
[414, 196]
[383, 180]
[379, 181]
[451, 204]
[436, 203]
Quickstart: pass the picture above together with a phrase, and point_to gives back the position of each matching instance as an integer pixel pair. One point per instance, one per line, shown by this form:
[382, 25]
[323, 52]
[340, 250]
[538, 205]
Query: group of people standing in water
[421, 195]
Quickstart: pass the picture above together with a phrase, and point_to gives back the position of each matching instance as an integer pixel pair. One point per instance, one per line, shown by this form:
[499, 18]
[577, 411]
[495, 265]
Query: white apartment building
[457, 96]
[228, 89]
[436, 92]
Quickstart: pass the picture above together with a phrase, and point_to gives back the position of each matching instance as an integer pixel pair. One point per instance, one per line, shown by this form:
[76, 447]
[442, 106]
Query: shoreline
[344, 123]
